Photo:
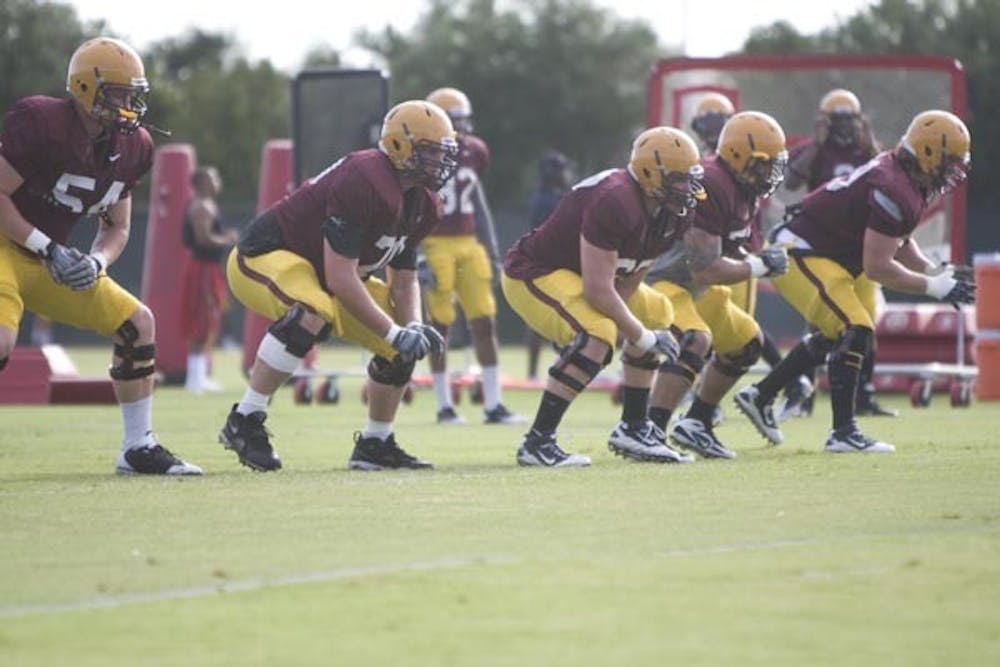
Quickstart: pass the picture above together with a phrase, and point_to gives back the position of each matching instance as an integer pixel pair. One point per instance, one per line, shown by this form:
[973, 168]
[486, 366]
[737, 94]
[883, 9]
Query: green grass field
[785, 556]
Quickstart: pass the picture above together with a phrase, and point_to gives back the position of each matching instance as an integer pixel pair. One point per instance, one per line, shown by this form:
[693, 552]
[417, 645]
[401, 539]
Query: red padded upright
[38, 375]
[25, 380]
[276, 180]
[170, 190]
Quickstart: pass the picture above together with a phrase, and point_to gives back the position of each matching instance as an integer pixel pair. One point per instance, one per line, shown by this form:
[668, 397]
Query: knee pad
[689, 363]
[647, 362]
[394, 372]
[129, 353]
[297, 339]
[3, 362]
[854, 345]
[736, 364]
[818, 347]
[572, 356]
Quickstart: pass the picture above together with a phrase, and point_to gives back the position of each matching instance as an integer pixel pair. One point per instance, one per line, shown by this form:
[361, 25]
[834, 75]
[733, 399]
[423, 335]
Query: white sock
[442, 390]
[197, 367]
[252, 402]
[137, 418]
[380, 430]
[491, 387]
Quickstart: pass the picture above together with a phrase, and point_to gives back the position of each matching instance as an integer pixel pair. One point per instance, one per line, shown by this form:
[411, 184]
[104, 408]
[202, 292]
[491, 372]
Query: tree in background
[36, 41]
[554, 74]
[964, 29]
[209, 95]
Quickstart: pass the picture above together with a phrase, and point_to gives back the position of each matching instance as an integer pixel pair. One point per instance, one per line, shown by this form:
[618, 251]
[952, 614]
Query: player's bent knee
[144, 322]
[736, 364]
[132, 361]
[574, 355]
[395, 372]
[818, 347]
[289, 339]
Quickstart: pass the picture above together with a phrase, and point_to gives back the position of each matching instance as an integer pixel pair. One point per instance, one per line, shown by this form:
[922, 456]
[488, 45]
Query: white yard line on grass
[256, 584]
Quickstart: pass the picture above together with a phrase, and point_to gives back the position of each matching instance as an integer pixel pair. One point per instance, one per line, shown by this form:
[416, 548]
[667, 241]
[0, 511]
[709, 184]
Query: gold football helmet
[710, 114]
[664, 162]
[752, 145]
[938, 144]
[108, 81]
[420, 141]
[840, 100]
[456, 104]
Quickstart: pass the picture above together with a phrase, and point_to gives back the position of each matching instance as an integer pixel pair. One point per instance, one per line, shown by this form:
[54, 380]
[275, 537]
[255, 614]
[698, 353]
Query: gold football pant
[554, 306]
[827, 295]
[714, 312]
[461, 268]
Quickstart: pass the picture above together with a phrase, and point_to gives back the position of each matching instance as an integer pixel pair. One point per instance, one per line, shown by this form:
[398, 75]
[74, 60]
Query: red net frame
[892, 89]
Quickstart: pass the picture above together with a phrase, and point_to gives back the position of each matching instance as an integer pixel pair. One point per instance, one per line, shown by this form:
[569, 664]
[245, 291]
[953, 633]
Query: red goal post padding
[892, 89]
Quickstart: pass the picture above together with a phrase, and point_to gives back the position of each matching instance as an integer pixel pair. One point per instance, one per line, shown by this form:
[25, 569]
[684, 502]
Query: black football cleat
[247, 436]
[373, 453]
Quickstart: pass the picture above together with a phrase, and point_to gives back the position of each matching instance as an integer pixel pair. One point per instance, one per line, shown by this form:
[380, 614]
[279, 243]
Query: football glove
[771, 261]
[68, 266]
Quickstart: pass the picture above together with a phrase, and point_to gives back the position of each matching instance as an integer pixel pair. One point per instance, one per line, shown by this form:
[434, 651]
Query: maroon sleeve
[482, 156]
[22, 142]
[709, 217]
[886, 214]
[602, 226]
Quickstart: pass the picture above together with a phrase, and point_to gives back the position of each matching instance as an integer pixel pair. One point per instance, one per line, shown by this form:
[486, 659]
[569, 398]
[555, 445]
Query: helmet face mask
[683, 191]
[435, 162]
[107, 79]
[844, 128]
[708, 126]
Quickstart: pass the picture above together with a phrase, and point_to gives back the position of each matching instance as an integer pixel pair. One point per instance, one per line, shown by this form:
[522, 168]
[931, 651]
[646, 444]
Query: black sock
[550, 412]
[843, 369]
[660, 417]
[797, 362]
[770, 353]
[702, 411]
[866, 386]
[634, 404]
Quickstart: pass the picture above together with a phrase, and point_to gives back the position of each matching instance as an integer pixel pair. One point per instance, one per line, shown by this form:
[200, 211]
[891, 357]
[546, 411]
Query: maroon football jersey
[728, 211]
[68, 176]
[607, 210]
[878, 195]
[360, 189]
[458, 194]
[831, 161]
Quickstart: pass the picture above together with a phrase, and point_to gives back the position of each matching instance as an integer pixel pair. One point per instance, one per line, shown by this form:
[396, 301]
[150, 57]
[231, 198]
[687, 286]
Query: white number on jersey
[456, 194]
[391, 246]
[60, 191]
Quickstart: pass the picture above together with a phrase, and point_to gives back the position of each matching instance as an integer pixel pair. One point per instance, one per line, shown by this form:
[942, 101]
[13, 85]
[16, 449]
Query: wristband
[758, 269]
[37, 242]
[394, 330]
[101, 259]
[645, 341]
[938, 286]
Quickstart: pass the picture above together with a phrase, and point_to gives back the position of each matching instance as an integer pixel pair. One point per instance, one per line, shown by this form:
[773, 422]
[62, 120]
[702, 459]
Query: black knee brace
[129, 353]
[854, 345]
[818, 347]
[571, 356]
[395, 372]
[647, 362]
[736, 364]
[297, 339]
[689, 363]
[3, 362]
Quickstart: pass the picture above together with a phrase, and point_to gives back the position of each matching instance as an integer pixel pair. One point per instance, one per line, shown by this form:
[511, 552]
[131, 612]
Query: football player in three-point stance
[859, 226]
[460, 253]
[695, 275]
[843, 140]
[61, 160]
[577, 281]
[710, 114]
[308, 263]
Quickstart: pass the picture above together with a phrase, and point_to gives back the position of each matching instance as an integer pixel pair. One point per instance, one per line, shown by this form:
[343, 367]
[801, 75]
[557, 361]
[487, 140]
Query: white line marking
[256, 584]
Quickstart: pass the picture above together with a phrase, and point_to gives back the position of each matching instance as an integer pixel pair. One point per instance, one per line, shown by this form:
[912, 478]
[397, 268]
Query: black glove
[425, 276]
[775, 258]
[666, 344]
[963, 293]
[435, 340]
